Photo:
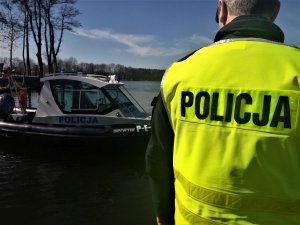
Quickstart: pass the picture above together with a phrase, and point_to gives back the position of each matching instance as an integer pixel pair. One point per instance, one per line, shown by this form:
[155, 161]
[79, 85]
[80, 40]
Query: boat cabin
[84, 96]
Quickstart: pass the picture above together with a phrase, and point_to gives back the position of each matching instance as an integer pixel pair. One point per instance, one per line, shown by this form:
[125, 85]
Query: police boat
[82, 111]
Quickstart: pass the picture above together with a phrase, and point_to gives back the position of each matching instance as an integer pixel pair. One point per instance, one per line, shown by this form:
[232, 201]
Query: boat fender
[7, 104]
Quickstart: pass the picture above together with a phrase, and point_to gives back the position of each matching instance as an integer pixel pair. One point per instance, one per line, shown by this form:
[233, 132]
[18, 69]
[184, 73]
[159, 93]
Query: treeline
[125, 73]
[71, 65]
[130, 73]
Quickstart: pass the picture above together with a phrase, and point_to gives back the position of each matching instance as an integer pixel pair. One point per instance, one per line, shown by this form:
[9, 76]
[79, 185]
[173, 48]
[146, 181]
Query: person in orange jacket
[22, 100]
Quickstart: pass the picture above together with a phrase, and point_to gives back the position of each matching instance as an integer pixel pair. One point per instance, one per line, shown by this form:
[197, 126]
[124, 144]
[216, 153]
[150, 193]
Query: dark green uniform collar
[250, 27]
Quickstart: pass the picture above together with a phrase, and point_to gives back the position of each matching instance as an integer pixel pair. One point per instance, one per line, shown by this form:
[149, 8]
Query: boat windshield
[83, 98]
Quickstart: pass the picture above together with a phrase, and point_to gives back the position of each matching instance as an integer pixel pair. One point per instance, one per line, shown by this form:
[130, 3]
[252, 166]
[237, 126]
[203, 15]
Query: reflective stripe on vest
[233, 201]
[193, 218]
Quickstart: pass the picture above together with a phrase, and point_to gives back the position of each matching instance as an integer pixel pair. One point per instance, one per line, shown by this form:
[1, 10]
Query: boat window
[121, 100]
[82, 98]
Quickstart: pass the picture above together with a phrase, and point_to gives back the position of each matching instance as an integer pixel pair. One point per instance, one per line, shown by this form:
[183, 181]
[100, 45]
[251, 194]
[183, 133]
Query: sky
[153, 33]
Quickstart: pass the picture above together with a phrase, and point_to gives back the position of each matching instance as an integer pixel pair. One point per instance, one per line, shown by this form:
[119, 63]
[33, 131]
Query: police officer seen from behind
[225, 141]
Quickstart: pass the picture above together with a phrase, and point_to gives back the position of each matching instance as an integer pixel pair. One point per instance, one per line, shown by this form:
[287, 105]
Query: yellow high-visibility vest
[234, 109]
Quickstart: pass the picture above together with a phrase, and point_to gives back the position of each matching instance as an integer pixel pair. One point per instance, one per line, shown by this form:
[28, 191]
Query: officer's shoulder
[188, 55]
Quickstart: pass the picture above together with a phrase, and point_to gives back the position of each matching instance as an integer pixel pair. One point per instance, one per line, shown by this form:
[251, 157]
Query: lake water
[143, 92]
[82, 188]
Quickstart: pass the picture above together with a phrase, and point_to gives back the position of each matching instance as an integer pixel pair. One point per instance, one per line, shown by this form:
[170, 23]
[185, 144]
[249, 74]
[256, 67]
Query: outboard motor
[7, 104]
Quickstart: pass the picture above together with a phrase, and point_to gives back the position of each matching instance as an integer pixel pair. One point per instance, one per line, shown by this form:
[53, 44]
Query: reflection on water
[76, 188]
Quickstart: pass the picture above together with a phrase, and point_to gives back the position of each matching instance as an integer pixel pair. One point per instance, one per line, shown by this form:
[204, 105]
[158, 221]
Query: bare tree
[10, 25]
[25, 47]
[69, 64]
[59, 16]
[43, 20]
[26, 31]
[35, 15]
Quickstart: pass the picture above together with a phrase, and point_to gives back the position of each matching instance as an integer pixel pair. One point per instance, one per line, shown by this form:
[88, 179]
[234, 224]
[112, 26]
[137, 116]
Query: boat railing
[60, 74]
[106, 78]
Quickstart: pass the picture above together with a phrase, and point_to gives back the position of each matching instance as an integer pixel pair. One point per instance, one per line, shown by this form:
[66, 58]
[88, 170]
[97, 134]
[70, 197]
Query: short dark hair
[252, 7]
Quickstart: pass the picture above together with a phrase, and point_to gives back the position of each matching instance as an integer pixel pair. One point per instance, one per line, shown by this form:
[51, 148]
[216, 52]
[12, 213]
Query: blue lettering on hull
[77, 120]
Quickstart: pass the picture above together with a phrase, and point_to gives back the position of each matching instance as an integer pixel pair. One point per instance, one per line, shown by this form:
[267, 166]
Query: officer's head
[230, 9]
